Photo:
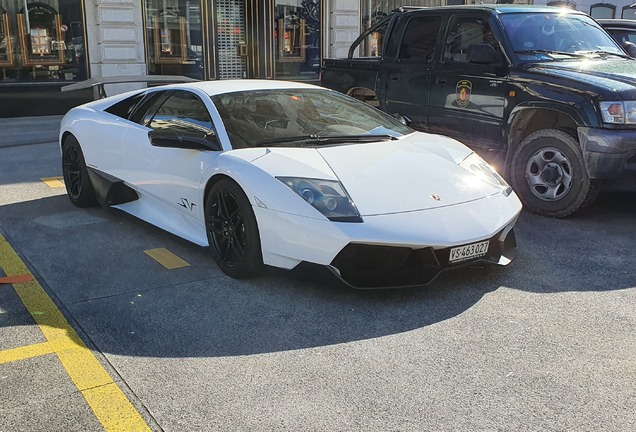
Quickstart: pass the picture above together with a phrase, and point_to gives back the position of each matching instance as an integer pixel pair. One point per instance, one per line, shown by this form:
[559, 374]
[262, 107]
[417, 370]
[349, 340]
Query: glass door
[174, 38]
[297, 39]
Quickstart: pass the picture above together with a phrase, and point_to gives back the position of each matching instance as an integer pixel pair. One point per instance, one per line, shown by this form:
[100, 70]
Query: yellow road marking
[166, 258]
[25, 352]
[53, 182]
[111, 407]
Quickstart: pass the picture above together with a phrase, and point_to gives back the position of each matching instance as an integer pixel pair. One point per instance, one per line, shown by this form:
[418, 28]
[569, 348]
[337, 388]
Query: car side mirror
[630, 48]
[482, 54]
[402, 119]
[170, 139]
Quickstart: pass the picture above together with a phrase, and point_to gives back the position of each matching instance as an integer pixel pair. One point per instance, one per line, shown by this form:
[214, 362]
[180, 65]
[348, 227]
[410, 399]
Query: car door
[164, 167]
[467, 99]
[407, 78]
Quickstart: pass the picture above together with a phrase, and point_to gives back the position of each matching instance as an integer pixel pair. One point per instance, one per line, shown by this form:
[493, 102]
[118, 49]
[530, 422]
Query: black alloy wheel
[78, 185]
[232, 230]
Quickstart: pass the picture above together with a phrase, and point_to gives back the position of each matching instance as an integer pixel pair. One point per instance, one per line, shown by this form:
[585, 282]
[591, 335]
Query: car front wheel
[548, 173]
[78, 185]
[232, 230]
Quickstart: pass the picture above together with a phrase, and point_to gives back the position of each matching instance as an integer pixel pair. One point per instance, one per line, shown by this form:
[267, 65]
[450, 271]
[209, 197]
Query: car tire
[233, 231]
[78, 185]
[548, 173]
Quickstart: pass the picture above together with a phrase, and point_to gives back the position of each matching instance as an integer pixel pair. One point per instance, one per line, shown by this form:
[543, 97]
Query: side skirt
[110, 190]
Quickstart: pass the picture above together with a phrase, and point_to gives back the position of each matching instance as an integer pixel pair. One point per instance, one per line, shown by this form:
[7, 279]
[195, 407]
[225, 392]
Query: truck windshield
[558, 35]
[302, 117]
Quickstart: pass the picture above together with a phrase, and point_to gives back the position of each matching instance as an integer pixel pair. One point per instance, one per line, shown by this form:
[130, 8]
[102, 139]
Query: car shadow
[92, 262]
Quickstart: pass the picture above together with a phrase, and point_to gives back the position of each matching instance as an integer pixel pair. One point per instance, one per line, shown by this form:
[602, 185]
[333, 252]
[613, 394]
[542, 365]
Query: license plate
[466, 252]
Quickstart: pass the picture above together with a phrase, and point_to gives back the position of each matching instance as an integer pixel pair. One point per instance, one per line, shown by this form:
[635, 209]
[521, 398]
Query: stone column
[344, 27]
[115, 40]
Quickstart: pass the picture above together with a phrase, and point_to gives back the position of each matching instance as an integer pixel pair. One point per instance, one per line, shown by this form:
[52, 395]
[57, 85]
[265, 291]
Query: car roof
[496, 8]
[216, 87]
[617, 23]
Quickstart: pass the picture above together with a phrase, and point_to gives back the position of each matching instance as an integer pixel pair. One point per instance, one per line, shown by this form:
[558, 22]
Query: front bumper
[375, 266]
[608, 153]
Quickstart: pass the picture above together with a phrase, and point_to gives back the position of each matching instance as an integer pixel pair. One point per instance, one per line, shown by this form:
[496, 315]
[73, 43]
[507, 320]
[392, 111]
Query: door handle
[394, 77]
[441, 81]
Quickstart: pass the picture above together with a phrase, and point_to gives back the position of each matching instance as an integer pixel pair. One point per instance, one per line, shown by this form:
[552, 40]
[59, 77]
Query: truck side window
[464, 32]
[371, 46]
[419, 39]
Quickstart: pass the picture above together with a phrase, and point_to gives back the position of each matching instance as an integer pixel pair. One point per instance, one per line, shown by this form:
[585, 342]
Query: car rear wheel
[232, 230]
[78, 185]
[548, 173]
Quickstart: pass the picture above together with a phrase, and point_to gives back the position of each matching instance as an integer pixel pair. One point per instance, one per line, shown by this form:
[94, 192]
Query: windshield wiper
[303, 140]
[602, 53]
[550, 52]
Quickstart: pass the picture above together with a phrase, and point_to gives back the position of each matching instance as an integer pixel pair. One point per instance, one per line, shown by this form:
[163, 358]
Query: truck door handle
[441, 81]
[394, 77]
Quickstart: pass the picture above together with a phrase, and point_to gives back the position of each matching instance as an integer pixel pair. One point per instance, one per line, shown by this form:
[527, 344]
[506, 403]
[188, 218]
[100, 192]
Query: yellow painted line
[166, 258]
[111, 407]
[53, 182]
[25, 352]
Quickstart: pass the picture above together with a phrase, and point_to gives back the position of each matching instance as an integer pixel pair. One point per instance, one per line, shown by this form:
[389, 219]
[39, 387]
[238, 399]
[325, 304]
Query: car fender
[261, 188]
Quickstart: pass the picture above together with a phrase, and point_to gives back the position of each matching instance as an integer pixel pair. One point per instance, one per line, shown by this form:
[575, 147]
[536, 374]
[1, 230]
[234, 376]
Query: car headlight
[618, 112]
[326, 196]
[481, 169]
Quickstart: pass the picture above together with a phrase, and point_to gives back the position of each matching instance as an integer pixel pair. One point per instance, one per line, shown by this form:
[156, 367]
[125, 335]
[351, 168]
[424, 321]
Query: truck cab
[543, 93]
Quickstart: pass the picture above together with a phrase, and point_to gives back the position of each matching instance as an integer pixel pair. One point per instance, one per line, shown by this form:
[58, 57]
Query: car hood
[414, 173]
[607, 73]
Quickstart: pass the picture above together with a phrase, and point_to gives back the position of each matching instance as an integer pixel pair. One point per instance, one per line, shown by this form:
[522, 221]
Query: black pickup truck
[544, 94]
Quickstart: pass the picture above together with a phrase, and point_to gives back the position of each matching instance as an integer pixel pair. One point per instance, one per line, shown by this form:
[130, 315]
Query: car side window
[125, 107]
[464, 32]
[144, 110]
[184, 113]
[419, 39]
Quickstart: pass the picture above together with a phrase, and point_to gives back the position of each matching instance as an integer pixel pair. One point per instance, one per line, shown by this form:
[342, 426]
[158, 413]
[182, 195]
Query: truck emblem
[463, 91]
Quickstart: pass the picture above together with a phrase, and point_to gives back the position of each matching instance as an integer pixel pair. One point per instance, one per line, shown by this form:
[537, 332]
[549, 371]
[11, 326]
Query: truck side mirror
[482, 54]
[630, 48]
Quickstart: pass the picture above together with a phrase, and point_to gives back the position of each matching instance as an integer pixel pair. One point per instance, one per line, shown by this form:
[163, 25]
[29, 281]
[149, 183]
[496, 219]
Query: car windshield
[557, 35]
[302, 117]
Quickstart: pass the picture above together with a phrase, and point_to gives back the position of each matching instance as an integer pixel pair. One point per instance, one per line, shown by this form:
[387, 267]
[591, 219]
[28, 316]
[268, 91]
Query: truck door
[406, 79]
[467, 99]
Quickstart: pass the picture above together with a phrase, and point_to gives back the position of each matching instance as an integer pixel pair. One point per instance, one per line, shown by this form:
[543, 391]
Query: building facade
[47, 44]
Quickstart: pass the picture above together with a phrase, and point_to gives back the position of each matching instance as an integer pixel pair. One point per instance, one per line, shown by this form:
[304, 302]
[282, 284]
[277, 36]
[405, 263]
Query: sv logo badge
[186, 204]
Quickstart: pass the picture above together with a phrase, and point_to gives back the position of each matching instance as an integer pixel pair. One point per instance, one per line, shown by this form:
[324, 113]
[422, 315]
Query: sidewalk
[16, 131]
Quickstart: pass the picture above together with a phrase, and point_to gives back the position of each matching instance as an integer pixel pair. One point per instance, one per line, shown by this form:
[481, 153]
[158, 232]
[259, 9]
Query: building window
[563, 3]
[629, 12]
[297, 39]
[602, 10]
[174, 41]
[42, 41]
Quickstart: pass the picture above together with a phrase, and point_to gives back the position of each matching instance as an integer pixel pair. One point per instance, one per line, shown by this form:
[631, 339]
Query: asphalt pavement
[545, 344]
[15, 131]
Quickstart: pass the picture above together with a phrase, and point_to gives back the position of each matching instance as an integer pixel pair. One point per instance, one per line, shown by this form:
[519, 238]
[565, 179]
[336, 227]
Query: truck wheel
[548, 173]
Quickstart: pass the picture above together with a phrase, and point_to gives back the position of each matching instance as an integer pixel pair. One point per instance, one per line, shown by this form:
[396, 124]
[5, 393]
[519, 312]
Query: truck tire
[548, 173]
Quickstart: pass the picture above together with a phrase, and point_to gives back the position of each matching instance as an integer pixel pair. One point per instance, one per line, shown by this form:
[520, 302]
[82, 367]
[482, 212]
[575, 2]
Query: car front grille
[373, 266]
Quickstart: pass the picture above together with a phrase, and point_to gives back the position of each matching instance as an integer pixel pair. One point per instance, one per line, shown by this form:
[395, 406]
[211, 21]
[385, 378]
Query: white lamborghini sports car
[277, 173]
